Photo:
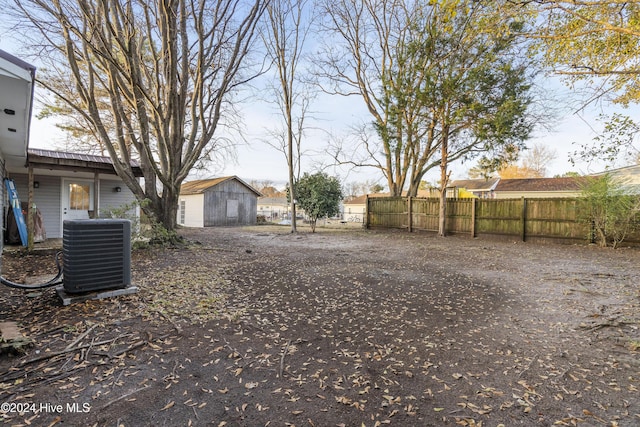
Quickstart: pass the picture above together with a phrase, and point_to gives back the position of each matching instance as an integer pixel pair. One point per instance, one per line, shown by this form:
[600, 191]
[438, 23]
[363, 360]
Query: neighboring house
[217, 202]
[541, 188]
[355, 209]
[497, 188]
[481, 188]
[61, 185]
[628, 176]
[273, 208]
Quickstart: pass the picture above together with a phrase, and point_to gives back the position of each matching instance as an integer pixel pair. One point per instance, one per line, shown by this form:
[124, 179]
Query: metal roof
[202, 185]
[40, 158]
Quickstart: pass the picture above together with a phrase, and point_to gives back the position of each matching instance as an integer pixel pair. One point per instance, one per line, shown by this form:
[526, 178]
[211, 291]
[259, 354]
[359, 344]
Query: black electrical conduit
[55, 281]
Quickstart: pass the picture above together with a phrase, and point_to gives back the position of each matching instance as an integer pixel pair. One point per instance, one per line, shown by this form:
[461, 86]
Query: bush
[142, 234]
[610, 209]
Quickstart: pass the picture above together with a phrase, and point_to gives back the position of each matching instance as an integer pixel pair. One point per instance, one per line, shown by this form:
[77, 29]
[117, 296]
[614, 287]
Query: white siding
[110, 199]
[534, 194]
[194, 210]
[46, 198]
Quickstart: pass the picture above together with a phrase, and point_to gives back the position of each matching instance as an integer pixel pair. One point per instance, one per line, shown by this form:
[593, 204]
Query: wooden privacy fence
[522, 219]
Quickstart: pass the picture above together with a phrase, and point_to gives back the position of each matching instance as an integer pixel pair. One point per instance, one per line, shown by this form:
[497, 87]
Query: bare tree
[538, 157]
[284, 39]
[151, 79]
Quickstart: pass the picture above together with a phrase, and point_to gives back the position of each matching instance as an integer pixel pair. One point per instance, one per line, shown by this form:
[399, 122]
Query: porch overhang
[74, 162]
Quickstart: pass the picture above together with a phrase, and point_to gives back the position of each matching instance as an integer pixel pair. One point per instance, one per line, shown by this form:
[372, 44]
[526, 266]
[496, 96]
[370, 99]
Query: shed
[225, 201]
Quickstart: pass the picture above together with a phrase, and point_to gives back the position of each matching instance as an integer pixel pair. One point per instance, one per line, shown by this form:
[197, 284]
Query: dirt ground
[257, 326]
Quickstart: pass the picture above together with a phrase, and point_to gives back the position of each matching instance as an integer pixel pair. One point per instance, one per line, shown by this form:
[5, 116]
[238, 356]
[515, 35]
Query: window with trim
[80, 197]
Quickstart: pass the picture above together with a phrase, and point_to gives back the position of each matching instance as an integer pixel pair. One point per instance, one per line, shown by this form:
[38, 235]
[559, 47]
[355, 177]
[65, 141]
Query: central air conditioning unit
[96, 254]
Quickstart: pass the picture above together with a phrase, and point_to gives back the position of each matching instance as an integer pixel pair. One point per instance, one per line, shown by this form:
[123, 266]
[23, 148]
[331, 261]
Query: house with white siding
[70, 186]
[629, 176]
[225, 201]
[274, 208]
[17, 80]
[60, 185]
[497, 188]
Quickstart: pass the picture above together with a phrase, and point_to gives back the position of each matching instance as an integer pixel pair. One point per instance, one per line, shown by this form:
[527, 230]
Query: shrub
[611, 210]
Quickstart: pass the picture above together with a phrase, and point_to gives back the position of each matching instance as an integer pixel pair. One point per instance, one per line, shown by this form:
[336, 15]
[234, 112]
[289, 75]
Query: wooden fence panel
[387, 212]
[553, 218]
[425, 214]
[499, 216]
[459, 216]
[523, 219]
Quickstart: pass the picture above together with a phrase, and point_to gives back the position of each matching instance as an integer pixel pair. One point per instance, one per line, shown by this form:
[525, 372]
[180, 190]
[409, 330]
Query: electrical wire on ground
[55, 281]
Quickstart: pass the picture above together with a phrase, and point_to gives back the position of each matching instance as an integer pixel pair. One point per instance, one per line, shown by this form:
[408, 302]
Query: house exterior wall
[110, 199]
[48, 198]
[354, 212]
[230, 203]
[191, 210]
[3, 173]
[273, 208]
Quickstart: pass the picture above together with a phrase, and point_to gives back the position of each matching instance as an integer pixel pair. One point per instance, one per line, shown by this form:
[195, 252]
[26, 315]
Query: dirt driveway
[256, 327]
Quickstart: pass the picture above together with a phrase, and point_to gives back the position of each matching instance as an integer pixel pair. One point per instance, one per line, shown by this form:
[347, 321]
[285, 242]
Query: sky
[256, 161]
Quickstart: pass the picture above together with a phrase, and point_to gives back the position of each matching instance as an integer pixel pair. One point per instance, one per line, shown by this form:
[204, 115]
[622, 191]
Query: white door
[77, 199]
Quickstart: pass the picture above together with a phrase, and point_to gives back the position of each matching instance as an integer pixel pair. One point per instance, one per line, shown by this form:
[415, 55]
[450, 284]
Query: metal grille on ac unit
[97, 254]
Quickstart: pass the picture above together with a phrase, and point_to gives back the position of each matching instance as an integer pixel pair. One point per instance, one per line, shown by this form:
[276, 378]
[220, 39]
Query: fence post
[366, 212]
[409, 209]
[523, 218]
[473, 217]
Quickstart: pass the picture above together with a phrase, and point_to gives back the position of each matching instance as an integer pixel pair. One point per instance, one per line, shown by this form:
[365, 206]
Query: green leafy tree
[595, 42]
[610, 209]
[319, 195]
[442, 80]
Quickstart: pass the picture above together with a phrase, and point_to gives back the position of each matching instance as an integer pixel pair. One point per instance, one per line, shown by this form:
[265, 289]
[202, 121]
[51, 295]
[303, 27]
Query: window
[232, 208]
[80, 197]
[182, 209]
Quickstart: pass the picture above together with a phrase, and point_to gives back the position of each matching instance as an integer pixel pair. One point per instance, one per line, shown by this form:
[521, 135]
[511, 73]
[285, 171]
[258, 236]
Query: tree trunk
[444, 178]
[169, 209]
[442, 214]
